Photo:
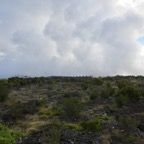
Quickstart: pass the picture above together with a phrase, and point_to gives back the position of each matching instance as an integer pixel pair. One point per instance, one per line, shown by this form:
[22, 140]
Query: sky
[71, 37]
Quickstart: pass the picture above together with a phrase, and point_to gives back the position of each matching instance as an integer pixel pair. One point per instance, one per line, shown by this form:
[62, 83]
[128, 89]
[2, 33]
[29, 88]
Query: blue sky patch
[141, 40]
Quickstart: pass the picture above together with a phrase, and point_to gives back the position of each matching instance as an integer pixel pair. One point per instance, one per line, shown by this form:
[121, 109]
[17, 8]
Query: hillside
[72, 110]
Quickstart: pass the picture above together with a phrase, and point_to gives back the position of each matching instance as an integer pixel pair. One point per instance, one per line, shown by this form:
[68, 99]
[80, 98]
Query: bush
[131, 92]
[121, 100]
[8, 136]
[4, 92]
[122, 83]
[72, 94]
[95, 95]
[97, 81]
[91, 125]
[52, 136]
[127, 95]
[40, 102]
[128, 123]
[19, 110]
[105, 93]
[71, 107]
[84, 86]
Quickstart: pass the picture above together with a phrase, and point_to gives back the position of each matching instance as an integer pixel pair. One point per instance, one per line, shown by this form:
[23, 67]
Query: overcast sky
[71, 37]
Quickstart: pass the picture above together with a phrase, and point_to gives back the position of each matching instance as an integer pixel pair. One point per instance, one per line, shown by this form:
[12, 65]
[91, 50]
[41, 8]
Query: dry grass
[33, 123]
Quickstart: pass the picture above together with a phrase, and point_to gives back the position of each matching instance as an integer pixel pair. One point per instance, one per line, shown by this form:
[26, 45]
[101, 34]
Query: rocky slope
[75, 110]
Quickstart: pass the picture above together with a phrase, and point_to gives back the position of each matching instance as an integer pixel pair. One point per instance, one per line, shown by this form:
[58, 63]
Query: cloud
[51, 37]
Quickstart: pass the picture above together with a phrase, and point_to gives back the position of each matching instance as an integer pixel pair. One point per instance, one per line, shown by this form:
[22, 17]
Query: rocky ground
[78, 110]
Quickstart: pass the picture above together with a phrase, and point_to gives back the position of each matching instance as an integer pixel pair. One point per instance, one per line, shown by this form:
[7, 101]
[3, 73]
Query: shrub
[131, 92]
[105, 93]
[121, 100]
[84, 86]
[40, 102]
[97, 81]
[52, 135]
[127, 95]
[71, 107]
[72, 94]
[91, 125]
[95, 95]
[18, 110]
[8, 136]
[4, 92]
[128, 123]
[14, 81]
[122, 83]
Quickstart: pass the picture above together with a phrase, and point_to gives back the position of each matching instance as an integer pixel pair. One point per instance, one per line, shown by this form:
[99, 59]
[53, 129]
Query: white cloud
[51, 37]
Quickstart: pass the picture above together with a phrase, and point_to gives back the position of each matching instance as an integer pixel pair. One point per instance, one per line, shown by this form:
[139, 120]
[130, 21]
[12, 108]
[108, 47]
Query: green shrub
[121, 100]
[84, 86]
[8, 136]
[71, 107]
[131, 92]
[72, 94]
[40, 102]
[66, 95]
[122, 83]
[18, 110]
[14, 81]
[94, 95]
[128, 123]
[127, 95]
[52, 136]
[141, 91]
[102, 117]
[97, 81]
[4, 92]
[105, 93]
[131, 139]
[92, 125]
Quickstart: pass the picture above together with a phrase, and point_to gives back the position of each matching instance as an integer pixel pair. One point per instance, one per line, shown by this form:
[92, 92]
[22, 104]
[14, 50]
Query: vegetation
[128, 123]
[4, 92]
[53, 137]
[94, 95]
[97, 81]
[72, 109]
[8, 136]
[127, 94]
[93, 125]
